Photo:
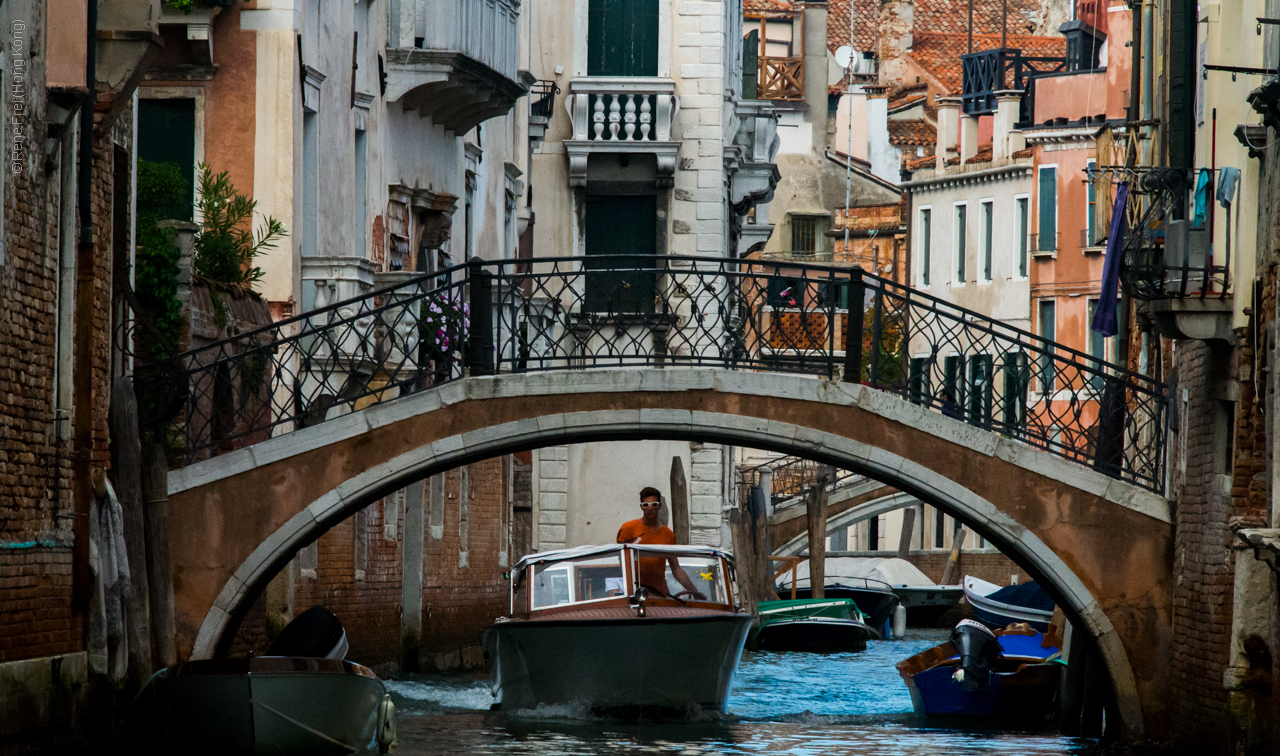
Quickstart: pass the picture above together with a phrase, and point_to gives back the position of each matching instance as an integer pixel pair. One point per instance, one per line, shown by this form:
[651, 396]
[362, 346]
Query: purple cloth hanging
[1104, 317]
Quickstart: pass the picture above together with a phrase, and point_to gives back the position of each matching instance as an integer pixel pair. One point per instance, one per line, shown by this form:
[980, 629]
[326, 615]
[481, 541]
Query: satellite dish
[843, 56]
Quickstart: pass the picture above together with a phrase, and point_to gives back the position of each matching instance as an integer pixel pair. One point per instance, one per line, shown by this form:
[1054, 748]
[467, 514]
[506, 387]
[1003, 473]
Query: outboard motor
[315, 633]
[979, 651]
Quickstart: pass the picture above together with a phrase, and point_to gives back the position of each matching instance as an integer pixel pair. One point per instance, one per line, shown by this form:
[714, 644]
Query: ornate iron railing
[602, 311]
[984, 74]
[789, 477]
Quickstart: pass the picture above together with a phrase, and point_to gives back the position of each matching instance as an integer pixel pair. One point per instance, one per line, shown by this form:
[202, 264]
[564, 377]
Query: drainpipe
[82, 360]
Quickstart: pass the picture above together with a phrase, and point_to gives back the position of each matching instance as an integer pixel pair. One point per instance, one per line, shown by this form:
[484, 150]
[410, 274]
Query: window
[979, 390]
[360, 535]
[619, 227]
[622, 38]
[1047, 232]
[918, 380]
[167, 134]
[926, 243]
[1091, 227]
[362, 193]
[786, 293]
[1017, 378]
[1024, 232]
[1048, 316]
[1097, 348]
[310, 183]
[808, 233]
[939, 529]
[834, 293]
[962, 231]
[953, 377]
[987, 217]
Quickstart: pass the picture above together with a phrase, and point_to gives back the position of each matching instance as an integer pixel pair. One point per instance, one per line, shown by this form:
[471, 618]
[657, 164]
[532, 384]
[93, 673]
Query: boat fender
[899, 622]
[386, 732]
[979, 651]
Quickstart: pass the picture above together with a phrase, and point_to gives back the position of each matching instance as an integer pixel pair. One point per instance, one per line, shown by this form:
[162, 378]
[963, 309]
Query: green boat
[822, 625]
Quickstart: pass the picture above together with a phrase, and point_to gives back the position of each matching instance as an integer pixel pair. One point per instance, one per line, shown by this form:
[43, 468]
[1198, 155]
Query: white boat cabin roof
[580, 552]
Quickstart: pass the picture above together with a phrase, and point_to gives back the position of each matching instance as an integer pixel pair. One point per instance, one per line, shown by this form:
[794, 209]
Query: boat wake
[444, 692]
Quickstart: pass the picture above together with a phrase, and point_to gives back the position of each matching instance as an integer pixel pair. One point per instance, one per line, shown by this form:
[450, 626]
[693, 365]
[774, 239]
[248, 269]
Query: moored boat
[998, 607]
[583, 630]
[821, 625]
[1011, 673]
[874, 598]
[302, 698]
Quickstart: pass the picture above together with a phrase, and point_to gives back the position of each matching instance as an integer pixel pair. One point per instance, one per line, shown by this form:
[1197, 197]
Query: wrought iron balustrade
[542, 98]
[984, 75]
[670, 312]
[790, 477]
[1165, 256]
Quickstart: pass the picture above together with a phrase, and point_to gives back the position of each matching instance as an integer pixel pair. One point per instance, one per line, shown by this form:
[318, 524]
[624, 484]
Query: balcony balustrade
[622, 114]
[782, 79]
[985, 74]
[454, 61]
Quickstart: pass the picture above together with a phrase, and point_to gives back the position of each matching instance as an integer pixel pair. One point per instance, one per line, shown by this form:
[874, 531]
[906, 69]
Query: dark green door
[167, 134]
[622, 38]
[620, 228]
[751, 65]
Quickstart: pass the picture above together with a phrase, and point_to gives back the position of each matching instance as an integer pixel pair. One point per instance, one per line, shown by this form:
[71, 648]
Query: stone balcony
[454, 60]
[629, 115]
[749, 158]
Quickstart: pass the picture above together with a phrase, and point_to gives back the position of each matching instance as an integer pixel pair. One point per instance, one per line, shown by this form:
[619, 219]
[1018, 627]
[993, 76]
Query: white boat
[924, 600]
[985, 599]
[583, 630]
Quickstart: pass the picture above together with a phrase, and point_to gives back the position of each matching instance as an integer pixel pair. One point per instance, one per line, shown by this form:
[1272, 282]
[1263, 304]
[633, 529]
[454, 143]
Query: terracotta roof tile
[765, 6]
[940, 53]
[912, 132]
[918, 163]
[938, 16]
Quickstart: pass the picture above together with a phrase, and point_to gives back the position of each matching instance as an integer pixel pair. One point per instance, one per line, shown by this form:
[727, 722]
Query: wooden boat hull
[816, 634]
[1028, 694]
[666, 662]
[925, 606]
[270, 705]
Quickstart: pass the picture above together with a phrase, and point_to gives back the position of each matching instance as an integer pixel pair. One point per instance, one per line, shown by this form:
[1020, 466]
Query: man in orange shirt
[648, 530]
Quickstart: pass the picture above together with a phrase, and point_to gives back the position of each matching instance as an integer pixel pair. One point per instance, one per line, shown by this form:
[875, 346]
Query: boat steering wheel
[691, 594]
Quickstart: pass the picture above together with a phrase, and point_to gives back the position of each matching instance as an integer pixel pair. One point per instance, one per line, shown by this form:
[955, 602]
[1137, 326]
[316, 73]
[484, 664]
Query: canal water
[792, 703]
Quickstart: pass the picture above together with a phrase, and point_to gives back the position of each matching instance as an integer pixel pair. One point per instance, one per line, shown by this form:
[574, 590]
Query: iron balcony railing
[667, 312]
[542, 98]
[1166, 256]
[983, 75]
[789, 477]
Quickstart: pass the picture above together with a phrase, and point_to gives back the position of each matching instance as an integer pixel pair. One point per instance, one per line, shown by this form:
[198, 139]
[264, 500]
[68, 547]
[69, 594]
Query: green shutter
[751, 65]
[167, 134]
[620, 225]
[622, 38]
[1047, 235]
[1181, 63]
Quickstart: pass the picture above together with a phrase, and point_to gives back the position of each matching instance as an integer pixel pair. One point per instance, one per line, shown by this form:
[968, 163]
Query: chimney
[1003, 127]
[948, 126]
[815, 69]
[968, 137]
[894, 28]
[880, 153]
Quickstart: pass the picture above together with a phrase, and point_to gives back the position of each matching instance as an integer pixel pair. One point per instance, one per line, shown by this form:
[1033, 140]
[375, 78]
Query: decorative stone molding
[749, 159]
[361, 103]
[311, 81]
[449, 87]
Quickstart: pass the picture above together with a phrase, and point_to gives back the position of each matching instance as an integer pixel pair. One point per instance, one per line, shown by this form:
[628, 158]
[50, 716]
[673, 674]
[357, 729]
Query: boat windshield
[703, 573]
[572, 581]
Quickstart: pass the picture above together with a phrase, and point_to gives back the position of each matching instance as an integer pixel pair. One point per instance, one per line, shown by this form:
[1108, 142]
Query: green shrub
[226, 244]
[162, 194]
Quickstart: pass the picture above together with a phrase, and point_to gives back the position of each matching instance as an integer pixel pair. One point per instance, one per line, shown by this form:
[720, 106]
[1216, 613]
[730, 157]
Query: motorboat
[1011, 673]
[821, 625]
[615, 629]
[875, 598]
[997, 607]
[302, 697]
[924, 600]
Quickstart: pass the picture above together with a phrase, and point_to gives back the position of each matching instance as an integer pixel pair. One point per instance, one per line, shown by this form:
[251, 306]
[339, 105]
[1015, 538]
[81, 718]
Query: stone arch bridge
[1101, 545]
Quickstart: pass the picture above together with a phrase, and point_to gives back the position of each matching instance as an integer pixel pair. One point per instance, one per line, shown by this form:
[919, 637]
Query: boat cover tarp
[1027, 595]
[896, 572]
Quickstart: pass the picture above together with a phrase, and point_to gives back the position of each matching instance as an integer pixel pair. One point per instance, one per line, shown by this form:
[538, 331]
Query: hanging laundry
[107, 642]
[1104, 317]
[1228, 178]
[1204, 195]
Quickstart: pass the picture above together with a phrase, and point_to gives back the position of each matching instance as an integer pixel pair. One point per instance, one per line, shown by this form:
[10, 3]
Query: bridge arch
[1099, 545]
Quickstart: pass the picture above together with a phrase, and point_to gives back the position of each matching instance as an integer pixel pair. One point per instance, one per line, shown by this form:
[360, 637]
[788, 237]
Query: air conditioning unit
[1186, 252]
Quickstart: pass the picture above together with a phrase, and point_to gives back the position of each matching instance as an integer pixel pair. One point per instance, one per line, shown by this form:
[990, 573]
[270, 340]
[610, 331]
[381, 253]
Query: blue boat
[1012, 673]
[1001, 607]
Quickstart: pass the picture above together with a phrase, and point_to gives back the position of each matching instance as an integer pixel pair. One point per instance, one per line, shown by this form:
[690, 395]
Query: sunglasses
[650, 504]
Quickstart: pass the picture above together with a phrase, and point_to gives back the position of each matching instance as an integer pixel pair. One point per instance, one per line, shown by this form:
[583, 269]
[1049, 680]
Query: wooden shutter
[1181, 63]
[751, 65]
[620, 226]
[167, 134]
[622, 38]
[1047, 233]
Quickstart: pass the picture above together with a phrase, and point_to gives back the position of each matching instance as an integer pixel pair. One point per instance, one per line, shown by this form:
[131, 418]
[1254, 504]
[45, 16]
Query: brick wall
[1203, 570]
[35, 604]
[461, 595]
